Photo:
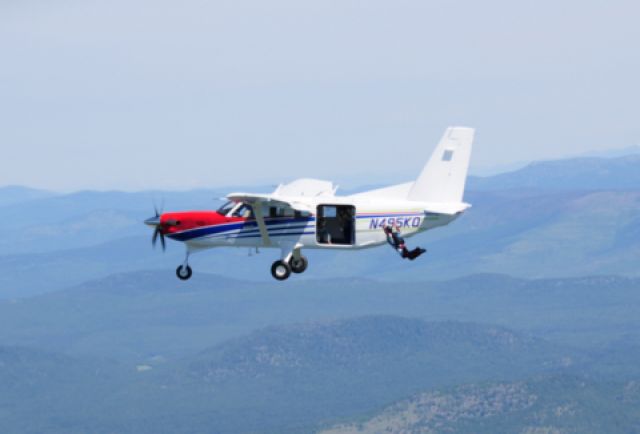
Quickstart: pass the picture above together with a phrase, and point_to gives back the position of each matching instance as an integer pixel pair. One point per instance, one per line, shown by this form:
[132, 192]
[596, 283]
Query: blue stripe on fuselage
[227, 227]
[257, 231]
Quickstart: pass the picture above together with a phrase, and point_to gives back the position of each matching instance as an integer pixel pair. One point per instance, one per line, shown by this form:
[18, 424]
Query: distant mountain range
[13, 194]
[547, 404]
[97, 335]
[386, 373]
[586, 173]
[551, 219]
[534, 235]
[134, 317]
[375, 343]
[139, 353]
[301, 376]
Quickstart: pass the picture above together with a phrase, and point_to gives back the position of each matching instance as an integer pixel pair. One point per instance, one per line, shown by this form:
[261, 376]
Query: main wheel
[298, 265]
[184, 273]
[280, 270]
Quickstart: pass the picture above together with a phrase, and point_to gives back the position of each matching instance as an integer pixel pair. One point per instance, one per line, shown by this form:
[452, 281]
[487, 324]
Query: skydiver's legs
[413, 254]
[397, 242]
[410, 254]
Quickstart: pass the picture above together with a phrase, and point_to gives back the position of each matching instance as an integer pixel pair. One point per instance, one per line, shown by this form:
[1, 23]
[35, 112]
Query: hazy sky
[178, 94]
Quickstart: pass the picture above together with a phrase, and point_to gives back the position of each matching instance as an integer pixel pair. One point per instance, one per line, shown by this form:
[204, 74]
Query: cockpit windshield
[224, 209]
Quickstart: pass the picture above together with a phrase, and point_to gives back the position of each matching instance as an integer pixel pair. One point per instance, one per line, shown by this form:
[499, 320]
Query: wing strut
[257, 210]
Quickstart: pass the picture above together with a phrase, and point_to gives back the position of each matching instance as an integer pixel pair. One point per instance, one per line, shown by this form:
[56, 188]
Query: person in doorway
[397, 242]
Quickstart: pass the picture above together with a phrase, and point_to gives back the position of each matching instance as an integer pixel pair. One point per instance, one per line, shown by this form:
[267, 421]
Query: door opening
[336, 224]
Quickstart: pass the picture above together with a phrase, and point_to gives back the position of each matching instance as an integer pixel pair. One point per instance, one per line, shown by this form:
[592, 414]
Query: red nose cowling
[172, 222]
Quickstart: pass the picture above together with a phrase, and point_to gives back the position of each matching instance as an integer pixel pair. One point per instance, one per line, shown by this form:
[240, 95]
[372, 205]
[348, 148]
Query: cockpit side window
[224, 209]
[244, 211]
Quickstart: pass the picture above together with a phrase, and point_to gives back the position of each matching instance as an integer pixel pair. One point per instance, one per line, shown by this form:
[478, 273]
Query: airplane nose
[153, 221]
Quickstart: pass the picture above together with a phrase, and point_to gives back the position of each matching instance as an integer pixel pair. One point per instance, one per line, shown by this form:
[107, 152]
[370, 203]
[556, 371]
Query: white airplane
[307, 213]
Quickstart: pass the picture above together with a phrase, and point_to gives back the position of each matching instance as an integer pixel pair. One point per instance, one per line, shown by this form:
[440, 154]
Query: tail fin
[444, 176]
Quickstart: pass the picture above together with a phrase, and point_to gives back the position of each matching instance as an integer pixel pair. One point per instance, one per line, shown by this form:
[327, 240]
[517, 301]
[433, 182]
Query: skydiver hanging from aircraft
[397, 242]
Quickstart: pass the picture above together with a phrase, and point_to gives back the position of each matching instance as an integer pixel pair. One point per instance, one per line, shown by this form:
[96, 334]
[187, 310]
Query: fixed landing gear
[282, 269]
[184, 272]
[298, 265]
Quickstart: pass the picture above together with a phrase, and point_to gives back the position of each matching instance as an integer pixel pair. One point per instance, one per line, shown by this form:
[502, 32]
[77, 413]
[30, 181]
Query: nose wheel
[184, 272]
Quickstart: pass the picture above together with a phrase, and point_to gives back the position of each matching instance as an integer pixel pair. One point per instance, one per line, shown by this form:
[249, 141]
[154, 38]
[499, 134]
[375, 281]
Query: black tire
[184, 273]
[298, 266]
[280, 270]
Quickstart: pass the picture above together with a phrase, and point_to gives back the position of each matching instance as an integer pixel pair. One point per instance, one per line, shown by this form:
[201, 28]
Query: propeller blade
[157, 210]
[155, 237]
[155, 221]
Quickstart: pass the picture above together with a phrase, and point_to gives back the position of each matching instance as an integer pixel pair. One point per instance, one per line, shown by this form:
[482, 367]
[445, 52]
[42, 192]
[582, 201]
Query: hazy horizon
[353, 183]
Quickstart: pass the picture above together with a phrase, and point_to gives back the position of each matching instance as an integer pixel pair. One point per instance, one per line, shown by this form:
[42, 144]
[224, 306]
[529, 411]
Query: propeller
[155, 222]
[157, 232]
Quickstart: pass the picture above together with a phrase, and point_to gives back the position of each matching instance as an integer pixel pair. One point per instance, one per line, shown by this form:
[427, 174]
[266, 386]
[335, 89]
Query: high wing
[296, 195]
[270, 199]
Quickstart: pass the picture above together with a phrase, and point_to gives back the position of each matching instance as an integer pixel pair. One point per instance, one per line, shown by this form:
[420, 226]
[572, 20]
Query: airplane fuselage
[208, 229]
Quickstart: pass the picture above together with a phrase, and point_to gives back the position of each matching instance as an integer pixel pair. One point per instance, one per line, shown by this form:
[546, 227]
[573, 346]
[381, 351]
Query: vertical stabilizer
[444, 176]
